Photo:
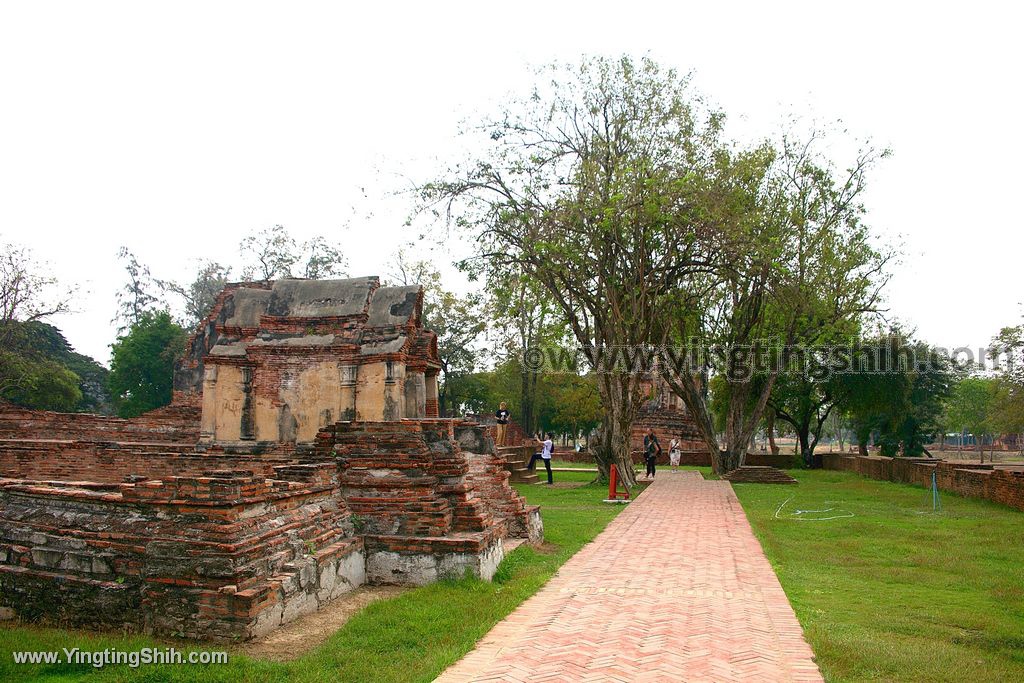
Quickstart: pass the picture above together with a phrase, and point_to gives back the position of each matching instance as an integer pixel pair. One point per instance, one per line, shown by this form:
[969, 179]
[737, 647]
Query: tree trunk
[730, 458]
[526, 403]
[618, 395]
[806, 450]
[770, 428]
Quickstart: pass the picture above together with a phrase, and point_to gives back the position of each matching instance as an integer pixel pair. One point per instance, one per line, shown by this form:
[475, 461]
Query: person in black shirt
[652, 449]
[502, 415]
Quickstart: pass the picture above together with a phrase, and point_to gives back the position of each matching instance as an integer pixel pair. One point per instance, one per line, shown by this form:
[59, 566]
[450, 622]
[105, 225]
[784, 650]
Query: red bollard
[613, 485]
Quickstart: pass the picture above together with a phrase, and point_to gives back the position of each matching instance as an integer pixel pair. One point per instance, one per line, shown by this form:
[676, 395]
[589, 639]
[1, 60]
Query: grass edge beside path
[895, 591]
[412, 637]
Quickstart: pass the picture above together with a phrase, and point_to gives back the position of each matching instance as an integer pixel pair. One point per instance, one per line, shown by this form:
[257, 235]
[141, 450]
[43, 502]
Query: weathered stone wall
[1000, 486]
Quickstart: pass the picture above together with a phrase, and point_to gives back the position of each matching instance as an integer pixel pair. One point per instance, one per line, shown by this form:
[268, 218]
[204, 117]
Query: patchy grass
[409, 638]
[555, 462]
[896, 591]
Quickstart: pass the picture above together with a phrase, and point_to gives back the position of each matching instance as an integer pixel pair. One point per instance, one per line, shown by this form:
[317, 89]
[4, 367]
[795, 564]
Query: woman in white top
[674, 453]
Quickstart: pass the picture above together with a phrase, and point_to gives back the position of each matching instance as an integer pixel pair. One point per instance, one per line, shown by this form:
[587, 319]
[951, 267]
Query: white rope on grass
[797, 514]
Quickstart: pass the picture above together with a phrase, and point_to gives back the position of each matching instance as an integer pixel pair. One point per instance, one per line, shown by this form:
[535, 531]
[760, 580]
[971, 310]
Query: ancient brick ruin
[665, 413]
[301, 457]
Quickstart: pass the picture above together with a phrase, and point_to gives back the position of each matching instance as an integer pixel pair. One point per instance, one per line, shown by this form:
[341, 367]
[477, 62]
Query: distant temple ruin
[279, 363]
[666, 414]
[302, 456]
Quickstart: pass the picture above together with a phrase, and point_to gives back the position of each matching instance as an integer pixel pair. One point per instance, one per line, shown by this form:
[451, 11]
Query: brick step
[524, 476]
[753, 474]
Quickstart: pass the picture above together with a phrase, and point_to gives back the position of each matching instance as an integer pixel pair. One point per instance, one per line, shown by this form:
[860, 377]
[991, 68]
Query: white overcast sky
[176, 128]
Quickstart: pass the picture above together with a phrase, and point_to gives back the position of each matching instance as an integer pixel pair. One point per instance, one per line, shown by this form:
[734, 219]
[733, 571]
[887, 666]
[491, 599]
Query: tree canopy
[142, 364]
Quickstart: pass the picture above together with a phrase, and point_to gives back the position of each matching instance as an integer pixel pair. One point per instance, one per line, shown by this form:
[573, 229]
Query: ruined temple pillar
[415, 393]
[394, 394]
[430, 404]
[347, 395]
[208, 424]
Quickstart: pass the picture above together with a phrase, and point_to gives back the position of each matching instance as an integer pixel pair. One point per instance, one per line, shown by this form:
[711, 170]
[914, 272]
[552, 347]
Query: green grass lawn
[409, 638]
[896, 591]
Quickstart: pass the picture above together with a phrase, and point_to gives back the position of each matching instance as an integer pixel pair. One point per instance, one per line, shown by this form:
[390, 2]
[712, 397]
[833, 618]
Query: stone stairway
[752, 474]
[516, 458]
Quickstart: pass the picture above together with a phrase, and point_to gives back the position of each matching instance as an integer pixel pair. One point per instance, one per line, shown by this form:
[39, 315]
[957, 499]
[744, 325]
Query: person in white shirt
[674, 453]
[547, 446]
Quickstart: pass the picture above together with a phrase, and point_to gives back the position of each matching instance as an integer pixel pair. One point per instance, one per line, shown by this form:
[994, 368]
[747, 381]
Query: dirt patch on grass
[295, 638]
[546, 548]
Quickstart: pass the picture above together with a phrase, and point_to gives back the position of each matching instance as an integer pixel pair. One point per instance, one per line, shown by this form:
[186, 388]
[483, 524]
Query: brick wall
[217, 557]
[113, 462]
[999, 486]
[176, 423]
[231, 542]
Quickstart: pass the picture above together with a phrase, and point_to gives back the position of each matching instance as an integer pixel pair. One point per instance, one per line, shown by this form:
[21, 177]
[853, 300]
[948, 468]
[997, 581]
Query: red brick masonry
[227, 543]
[997, 485]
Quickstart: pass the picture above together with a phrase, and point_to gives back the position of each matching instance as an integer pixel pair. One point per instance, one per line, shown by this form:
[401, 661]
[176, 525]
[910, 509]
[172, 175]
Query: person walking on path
[674, 454]
[547, 446]
[652, 449]
[502, 417]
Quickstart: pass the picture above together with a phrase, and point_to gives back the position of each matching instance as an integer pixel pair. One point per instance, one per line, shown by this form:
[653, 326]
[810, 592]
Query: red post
[613, 485]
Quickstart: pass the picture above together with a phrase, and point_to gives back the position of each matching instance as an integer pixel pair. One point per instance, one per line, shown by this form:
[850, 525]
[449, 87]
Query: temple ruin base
[223, 544]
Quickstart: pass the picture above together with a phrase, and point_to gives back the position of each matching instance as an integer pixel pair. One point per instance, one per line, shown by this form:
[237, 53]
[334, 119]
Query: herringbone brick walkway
[676, 588]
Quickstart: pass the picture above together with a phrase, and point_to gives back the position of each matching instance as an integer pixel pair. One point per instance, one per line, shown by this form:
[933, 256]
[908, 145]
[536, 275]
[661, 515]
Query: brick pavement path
[676, 588]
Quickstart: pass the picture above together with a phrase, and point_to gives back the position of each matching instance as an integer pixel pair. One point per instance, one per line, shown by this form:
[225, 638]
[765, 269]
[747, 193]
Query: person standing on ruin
[674, 454]
[502, 416]
[652, 449]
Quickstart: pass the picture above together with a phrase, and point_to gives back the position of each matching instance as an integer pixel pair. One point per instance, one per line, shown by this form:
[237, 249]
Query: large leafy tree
[1008, 401]
[29, 375]
[807, 392]
[458, 321]
[142, 364]
[971, 406]
[798, 266]
[27, 292]
[598, 188]
[526, 320]
[894, 390]
[56, 377]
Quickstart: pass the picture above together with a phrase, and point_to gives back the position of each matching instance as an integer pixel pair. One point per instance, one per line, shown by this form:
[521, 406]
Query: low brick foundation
[228, 542]
[219, 557]
[997, 485]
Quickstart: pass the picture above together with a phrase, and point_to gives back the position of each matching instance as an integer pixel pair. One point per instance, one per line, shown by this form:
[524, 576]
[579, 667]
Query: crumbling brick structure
[300, 459]
[665, 413]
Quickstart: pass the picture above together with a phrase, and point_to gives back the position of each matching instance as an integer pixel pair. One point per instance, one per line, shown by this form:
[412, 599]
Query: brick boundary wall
[999, 486]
